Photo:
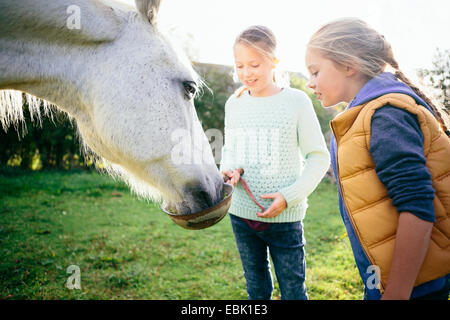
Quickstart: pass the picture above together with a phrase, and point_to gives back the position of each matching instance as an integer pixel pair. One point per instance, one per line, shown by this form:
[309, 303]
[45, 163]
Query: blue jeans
[285, 242]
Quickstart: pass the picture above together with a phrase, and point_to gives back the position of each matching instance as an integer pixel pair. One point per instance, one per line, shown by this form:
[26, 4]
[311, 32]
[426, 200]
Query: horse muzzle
[204, 218]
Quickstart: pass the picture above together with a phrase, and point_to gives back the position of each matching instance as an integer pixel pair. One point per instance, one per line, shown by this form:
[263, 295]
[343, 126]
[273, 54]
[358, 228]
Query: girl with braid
[390, 152]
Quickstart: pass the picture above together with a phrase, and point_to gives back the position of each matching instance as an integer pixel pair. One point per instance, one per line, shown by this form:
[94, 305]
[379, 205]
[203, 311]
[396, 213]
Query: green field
[126, 248]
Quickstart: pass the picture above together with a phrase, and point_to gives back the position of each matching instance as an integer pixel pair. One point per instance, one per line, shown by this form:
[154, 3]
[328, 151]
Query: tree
[438, 77]
[219, 85]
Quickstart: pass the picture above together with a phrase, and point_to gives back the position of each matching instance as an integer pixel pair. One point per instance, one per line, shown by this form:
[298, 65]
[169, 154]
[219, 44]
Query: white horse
[109, 68]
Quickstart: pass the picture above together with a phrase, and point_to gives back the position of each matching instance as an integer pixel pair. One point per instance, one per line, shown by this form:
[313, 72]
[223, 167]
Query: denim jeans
[285, 243]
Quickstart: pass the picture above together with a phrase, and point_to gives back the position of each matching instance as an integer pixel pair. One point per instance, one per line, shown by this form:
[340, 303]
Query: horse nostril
[198, 198]
[205, 197]
[203, 194]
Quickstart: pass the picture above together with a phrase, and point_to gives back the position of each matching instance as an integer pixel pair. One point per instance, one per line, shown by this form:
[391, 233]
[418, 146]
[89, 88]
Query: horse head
[131, 94]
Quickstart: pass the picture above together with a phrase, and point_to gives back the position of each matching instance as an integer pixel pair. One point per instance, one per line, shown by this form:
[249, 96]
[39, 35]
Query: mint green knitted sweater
[278, 142]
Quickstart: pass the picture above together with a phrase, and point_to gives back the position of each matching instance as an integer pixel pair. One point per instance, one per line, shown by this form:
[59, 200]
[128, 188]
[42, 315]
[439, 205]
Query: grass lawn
[126, 248]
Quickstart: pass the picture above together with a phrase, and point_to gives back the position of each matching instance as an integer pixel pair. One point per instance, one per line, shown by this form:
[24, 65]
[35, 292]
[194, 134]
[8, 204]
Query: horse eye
[190, 89]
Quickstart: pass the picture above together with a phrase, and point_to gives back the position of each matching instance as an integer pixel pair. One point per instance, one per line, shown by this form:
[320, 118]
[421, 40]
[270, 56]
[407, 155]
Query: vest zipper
[338, 181]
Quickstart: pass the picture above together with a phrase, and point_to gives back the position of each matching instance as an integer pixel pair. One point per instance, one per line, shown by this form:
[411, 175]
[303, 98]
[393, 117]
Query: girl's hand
[231, 177]
[227, 175]
[277, 206]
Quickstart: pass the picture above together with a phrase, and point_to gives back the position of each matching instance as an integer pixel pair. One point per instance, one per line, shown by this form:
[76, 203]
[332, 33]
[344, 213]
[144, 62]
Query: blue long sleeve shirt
[396, 146]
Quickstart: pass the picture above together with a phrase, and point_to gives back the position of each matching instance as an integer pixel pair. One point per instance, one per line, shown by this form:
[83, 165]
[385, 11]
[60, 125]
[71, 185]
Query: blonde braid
[401, 76]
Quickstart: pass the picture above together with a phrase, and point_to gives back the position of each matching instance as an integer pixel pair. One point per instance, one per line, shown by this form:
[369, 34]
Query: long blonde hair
[263, 40]
[352, 42]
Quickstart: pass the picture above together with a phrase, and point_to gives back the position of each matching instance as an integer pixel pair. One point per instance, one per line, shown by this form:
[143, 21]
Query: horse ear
[149, 9]
[63, 20]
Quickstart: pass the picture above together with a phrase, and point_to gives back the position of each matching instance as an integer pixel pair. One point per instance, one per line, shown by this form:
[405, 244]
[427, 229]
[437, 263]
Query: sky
[415, 28]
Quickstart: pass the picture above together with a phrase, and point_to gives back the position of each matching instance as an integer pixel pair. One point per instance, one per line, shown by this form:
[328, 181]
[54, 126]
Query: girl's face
[328, 80]
[254, 70]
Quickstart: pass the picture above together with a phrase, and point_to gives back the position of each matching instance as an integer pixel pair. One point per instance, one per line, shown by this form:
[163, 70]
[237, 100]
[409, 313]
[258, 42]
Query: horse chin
[180, 208]
[184, 208]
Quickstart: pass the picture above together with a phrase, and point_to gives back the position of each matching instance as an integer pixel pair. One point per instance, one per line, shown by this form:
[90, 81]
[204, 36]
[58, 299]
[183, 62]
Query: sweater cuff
[421, 208]
[290, 195]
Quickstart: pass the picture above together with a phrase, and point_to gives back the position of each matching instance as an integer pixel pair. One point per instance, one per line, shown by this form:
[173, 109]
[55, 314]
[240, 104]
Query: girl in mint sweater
[273, 133]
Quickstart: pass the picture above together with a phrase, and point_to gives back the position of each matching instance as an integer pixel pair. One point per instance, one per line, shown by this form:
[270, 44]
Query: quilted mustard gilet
[371, 212]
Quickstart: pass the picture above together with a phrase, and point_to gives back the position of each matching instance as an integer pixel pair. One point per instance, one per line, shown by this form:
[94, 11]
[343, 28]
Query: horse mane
[11, 110]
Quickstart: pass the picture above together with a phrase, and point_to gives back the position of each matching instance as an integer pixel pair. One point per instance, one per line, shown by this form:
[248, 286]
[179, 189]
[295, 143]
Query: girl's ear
[350, 70]
[275, 61]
